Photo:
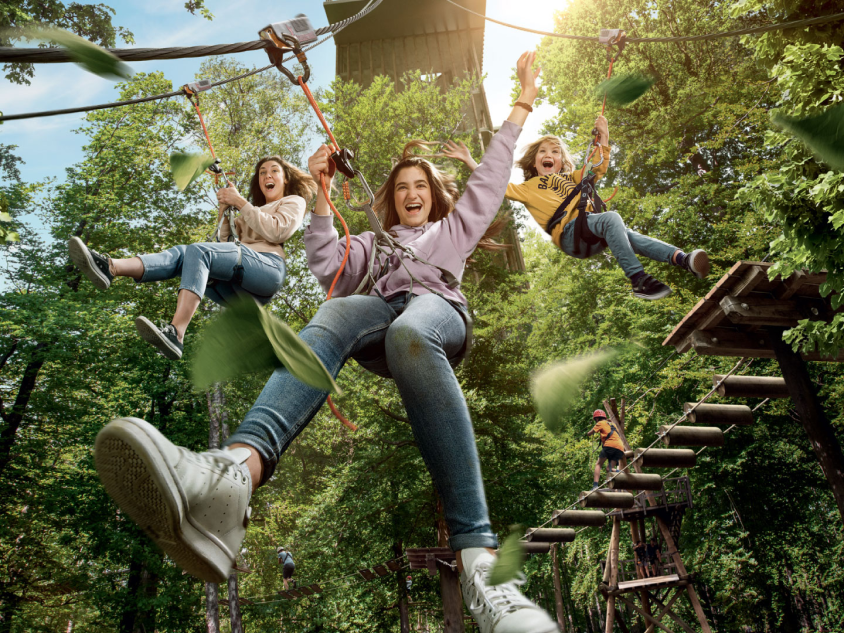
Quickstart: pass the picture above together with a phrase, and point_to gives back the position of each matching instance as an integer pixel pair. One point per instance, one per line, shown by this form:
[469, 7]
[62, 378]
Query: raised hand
[458, 151]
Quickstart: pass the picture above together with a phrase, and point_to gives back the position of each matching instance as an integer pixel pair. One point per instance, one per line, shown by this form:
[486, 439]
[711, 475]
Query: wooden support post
[665, 609]
[611, 572]
[751, 386]
[558, 589]
[692, 436]
[814, 420]
[648, 618]
[452, 599]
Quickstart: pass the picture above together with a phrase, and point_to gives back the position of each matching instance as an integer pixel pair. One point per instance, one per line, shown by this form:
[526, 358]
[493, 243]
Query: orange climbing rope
[346, 195]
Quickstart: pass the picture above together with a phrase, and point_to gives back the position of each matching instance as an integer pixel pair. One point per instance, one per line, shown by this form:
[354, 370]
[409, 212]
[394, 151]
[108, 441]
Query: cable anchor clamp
[612, 38]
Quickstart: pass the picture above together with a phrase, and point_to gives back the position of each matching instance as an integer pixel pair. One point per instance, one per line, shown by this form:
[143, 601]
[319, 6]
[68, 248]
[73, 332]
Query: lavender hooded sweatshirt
[446, 243]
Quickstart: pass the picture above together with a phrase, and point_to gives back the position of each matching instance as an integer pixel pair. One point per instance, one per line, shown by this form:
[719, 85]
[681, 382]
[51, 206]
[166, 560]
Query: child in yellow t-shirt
[555, 196]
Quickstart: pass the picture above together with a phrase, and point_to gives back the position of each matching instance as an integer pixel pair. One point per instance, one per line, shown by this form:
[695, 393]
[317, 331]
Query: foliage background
[698, 164]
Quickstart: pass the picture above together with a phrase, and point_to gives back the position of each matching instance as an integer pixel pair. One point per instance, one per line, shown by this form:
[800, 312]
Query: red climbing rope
[346, 195]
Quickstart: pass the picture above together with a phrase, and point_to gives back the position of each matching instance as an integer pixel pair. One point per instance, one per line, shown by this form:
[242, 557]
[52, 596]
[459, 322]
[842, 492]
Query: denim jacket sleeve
[325, 253]
[484, 193]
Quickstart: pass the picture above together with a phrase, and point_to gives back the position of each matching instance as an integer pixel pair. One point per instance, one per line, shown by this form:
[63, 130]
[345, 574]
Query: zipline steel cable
[684, 38]
[12, 54]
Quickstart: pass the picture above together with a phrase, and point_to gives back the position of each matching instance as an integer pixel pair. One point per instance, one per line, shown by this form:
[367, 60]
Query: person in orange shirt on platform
[613, 448]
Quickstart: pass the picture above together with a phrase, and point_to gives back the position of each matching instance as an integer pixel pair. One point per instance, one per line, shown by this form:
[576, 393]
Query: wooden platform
[426, 557]
[731, 320]
[656, 582]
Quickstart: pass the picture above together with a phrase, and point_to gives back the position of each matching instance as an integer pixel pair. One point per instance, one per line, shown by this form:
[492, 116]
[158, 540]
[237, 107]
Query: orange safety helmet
[599, 414]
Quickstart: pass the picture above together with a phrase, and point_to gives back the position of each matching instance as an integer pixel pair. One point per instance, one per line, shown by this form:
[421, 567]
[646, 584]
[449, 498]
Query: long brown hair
[296, 181]
[444, 195]
[528, 161]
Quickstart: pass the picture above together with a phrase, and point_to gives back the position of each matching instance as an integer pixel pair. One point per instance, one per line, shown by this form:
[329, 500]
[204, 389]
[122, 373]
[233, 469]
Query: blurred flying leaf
[188, 167]
[823, 134]
[625, 89]
[511, 555]
[91, 57]
[558, 385]
[245, 338]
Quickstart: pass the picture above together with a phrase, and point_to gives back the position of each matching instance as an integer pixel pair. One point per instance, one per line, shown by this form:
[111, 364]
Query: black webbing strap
[585, 189]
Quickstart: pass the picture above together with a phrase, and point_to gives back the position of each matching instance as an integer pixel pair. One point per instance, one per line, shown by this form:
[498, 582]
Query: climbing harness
[284, 37]
[613, 40]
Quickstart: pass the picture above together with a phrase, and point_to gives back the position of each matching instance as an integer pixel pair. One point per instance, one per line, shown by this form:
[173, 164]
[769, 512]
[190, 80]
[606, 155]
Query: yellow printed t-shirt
[542, 195]
[603, 427]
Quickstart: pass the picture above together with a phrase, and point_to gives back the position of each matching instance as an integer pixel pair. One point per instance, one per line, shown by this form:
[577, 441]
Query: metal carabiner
[282, 43]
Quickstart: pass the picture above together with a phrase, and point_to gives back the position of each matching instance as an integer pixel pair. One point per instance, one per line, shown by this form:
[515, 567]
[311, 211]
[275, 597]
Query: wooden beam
[606, 499]
[666, 457]
[720, 414]
[558, 589]
[648, 618]
[592, 518]
[536, 548]
[751, 386]
[763, 311]
[812, 416]
[724, 342]
[749, 280]
[666, 610]
[550, 535]
[632, 481]
[692, 436]
[791, 285]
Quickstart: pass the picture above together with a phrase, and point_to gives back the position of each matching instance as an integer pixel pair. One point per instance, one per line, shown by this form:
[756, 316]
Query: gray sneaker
[500, 608]
[90, 263]
[163, 338]
[193, 505]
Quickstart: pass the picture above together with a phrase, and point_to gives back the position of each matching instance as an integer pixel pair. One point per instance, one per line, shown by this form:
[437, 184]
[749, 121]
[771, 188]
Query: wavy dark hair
[443, 189]
[296, 181]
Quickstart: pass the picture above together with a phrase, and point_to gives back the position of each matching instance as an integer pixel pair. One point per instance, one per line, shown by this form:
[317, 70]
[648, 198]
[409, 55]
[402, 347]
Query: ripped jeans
[410, 338]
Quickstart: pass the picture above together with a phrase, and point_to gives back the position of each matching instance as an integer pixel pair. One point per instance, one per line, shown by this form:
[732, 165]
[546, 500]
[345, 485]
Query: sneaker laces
[500, 600]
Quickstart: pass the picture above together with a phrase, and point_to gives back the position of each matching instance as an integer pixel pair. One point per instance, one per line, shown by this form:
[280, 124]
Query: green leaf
[557, 386]
[91, 57]
[5, 217]
[823, 134]
[511, 555]
[12, 237]
[625, 89]
[188, 167]
[245, 338]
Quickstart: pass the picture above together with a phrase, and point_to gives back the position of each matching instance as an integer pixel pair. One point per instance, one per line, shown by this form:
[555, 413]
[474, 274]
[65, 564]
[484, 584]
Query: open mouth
[270, 185]
[413, 208]
[548, 163]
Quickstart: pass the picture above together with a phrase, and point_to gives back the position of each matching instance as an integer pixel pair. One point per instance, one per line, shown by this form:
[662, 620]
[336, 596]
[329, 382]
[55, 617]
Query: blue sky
[49, 145]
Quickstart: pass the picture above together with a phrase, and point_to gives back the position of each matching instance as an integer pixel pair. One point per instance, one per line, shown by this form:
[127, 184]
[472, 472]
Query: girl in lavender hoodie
[410, 327]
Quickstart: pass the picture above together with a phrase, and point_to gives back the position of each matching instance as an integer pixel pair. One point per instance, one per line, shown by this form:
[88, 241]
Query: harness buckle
[289, 36]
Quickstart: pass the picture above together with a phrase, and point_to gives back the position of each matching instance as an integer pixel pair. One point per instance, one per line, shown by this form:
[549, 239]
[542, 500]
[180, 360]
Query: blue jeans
[412, 338]
[624, 243]
[196, 264]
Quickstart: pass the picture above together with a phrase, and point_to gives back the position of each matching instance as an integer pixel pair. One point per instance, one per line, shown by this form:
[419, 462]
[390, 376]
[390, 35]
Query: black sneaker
[646, 287]
[697, 263]
[90, 263]
[164, 339]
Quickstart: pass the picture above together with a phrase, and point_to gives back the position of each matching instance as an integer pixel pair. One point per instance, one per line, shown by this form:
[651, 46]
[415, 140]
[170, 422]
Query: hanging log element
[666, 457]
[549, 535]
[537, 548]
[751, 386]
[692, 436]
[591, 518]
[719, 414]
[632, 481]
[606, 499]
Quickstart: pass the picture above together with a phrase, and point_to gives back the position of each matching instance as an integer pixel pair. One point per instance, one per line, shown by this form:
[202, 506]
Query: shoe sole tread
[84, 261]
[153, 336]
[136, 476]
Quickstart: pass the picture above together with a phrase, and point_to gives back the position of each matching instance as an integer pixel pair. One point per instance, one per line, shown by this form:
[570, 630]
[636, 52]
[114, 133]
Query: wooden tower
[433, 37]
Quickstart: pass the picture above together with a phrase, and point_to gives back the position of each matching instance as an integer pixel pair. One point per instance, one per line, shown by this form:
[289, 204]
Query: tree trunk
[234, 604]
[815, 423]
[14, 418]
[212, 608]
[404, 612]
[558, 590]
[9, 603]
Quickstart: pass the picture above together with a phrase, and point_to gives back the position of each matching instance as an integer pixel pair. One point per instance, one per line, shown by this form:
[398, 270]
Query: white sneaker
[195, 506]
[501, 608]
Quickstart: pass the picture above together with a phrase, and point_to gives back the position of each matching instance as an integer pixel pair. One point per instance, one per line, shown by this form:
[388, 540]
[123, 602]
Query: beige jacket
[265, 229]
